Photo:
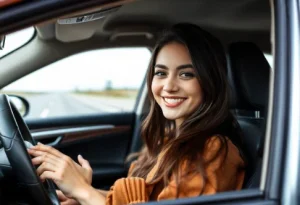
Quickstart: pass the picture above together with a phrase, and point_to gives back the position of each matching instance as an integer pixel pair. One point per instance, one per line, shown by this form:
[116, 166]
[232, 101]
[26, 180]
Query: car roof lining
[226, 19]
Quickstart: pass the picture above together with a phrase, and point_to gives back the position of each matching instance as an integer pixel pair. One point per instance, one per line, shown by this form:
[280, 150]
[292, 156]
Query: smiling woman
[189, 112]
[175, 86]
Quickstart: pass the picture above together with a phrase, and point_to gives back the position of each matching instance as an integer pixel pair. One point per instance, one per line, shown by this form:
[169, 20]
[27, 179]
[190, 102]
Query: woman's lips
[173, 102]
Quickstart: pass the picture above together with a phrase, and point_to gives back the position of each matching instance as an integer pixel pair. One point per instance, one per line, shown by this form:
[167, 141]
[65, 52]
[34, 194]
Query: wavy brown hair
[212, 118]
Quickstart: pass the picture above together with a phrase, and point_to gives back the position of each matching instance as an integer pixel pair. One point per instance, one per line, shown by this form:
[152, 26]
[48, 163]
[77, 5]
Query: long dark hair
[212, 118]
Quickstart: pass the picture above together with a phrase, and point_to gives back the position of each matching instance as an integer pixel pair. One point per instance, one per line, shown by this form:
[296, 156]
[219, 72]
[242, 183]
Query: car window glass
[99, 81]
[16, 40]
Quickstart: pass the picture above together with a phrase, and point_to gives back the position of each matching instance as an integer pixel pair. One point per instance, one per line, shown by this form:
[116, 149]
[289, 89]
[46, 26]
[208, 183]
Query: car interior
[106, 139]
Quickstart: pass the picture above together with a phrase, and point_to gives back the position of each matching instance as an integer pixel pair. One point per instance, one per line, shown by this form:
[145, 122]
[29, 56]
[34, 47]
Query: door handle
[53, 141]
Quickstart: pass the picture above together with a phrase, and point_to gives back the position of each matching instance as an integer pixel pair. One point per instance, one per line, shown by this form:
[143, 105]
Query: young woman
[192, 142]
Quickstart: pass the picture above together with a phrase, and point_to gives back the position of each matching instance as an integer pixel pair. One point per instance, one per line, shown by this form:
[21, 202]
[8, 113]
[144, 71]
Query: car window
[17, 39]
[98, 81]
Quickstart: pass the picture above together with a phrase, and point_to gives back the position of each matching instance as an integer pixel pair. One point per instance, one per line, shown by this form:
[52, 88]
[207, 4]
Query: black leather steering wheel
[13, 132]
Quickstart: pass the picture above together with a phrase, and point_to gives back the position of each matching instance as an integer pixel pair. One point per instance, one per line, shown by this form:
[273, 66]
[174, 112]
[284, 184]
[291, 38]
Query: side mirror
[20, 103]
[2, 42]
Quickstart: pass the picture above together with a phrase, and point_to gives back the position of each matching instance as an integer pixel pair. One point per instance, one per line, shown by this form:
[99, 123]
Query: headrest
[250, 73]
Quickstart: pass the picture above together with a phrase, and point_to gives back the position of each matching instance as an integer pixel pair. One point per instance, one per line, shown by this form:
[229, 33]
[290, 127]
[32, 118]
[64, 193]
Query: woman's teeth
[173, 100]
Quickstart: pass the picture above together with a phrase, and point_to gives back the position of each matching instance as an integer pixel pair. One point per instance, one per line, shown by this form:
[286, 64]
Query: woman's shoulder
[220, 148]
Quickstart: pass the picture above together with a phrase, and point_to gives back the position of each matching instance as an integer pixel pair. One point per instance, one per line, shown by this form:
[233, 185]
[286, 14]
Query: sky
[92, 70]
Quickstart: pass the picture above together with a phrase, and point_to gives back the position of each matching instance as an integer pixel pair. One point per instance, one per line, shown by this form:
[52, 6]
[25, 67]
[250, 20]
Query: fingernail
[39, 143]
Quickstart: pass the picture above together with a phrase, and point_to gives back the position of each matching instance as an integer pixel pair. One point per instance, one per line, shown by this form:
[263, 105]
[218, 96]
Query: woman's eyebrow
[185, 66]
[160, 66]
[178, 68]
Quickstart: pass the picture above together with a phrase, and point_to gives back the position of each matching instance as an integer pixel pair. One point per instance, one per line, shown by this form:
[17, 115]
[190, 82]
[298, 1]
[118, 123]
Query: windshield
[17, 39]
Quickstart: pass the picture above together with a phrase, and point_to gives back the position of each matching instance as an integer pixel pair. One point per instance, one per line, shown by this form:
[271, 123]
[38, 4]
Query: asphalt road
[64, 104]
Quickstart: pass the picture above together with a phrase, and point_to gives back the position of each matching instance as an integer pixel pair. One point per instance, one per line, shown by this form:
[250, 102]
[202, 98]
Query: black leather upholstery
[252, 137]
[249, 75]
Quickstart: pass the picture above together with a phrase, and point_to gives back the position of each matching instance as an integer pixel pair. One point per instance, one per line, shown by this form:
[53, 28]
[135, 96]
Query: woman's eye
[159, 73]
[187, 75]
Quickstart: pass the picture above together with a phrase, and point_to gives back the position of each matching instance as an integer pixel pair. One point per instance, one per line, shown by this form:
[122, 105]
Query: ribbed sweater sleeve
[130, 190]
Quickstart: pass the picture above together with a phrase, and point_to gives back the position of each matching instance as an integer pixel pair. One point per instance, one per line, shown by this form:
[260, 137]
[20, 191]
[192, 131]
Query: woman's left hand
[60, 168]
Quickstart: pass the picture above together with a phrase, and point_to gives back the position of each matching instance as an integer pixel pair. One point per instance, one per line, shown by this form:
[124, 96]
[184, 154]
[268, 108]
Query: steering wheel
[13, 133]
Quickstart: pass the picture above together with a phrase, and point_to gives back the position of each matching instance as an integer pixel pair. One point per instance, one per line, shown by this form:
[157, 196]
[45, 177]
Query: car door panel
[102, 139]
[246, 196]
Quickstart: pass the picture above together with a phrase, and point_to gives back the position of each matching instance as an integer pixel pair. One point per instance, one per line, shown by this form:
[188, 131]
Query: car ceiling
[230, 20]
[137, 23]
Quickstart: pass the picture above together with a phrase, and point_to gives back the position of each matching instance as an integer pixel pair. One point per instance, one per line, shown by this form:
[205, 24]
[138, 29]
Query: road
[64, 104]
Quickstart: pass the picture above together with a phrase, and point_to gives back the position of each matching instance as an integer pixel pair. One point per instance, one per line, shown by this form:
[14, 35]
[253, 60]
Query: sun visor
[81, 27]
[75, 32]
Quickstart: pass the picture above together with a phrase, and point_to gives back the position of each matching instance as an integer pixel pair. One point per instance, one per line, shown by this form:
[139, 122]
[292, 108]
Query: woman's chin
[170, 117]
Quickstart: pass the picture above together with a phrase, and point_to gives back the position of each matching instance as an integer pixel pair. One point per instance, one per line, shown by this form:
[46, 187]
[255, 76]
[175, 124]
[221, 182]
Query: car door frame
[280, 183]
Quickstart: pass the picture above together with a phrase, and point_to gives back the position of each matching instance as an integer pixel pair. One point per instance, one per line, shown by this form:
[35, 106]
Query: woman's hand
[70, 177]
[65, 200]
[85, 169]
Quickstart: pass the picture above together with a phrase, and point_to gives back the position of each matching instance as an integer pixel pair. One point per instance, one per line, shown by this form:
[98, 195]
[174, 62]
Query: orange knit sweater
[224, 173]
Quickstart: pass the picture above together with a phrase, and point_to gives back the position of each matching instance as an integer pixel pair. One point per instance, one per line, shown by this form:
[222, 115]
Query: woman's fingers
[35, 153]
[84, 163]
[85, 168]
[70, 202]
[61, 196]
[48, 175]
[48, 149]
[57, 177]
[60, 168]
[46, 158]
[45, 166]
[65, 200]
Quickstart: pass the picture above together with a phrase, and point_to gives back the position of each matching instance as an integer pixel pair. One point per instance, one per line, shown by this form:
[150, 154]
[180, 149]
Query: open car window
[17, 39]
[98, 81]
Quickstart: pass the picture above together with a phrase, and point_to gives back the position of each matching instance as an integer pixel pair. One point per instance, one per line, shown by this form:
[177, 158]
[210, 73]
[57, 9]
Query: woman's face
[174, 86]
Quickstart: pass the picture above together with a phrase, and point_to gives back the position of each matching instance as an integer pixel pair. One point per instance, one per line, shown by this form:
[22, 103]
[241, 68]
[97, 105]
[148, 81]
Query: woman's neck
[178, 122]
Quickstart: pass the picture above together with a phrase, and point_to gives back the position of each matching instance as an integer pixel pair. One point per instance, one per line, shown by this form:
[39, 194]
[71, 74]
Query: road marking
[45, 113]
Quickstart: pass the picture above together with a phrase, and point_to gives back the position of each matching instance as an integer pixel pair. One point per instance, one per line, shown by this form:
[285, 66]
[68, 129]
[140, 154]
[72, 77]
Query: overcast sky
[123, 67]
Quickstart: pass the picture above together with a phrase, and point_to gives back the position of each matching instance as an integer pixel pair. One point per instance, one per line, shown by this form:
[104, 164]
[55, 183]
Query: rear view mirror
[2, 42]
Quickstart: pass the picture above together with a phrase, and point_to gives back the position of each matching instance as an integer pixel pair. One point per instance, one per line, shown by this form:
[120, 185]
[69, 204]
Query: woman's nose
[170, 85]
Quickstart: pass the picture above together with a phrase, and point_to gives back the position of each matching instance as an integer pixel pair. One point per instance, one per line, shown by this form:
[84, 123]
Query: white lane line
[45, 113]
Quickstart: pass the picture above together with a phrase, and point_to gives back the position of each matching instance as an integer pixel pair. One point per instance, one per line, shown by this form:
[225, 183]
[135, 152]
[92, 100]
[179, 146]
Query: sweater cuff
[127, 191]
